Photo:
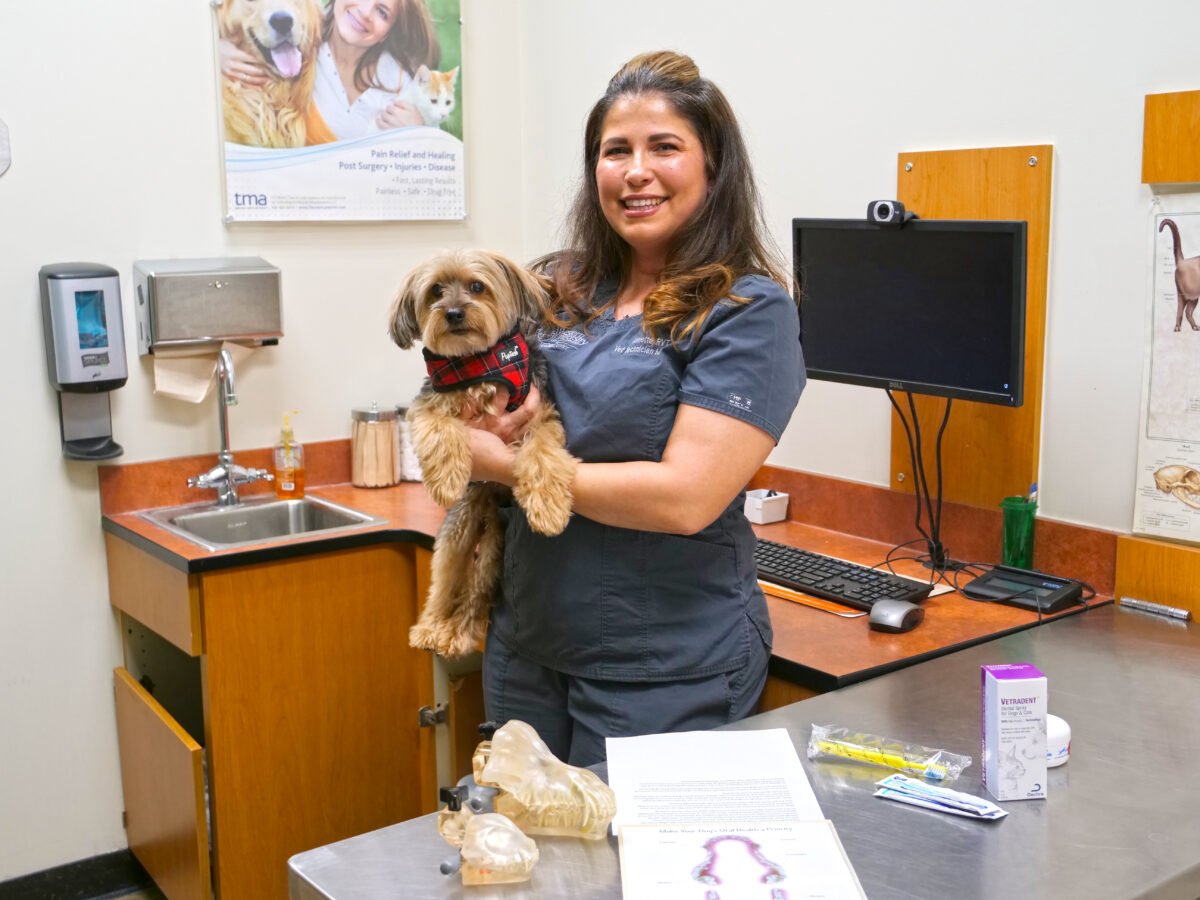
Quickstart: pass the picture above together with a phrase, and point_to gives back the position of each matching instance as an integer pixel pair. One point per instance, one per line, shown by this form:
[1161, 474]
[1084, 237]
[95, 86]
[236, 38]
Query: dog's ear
[529, 291]
[403, 325]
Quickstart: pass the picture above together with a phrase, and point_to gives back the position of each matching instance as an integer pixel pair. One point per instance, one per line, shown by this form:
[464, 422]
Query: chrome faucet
[226, 475]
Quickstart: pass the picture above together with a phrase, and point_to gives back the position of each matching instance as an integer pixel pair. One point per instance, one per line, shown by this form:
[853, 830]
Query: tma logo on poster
[249, 199]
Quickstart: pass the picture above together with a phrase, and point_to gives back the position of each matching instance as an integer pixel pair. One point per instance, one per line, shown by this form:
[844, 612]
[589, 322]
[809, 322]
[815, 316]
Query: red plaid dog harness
[506, 363]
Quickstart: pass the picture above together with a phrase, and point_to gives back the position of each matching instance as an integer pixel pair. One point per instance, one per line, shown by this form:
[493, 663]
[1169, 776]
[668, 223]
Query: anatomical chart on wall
[1167, 500]
[333, 110]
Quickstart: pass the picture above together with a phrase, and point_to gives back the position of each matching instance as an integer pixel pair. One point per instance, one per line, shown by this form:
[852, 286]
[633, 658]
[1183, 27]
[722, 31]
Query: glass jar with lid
[374, 446]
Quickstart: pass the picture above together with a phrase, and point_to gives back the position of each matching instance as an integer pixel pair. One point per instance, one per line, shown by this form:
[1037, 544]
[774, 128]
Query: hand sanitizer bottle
[289, 464]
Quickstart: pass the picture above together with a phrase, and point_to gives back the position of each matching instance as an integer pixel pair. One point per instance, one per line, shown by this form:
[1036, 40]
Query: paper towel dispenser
[184, 303]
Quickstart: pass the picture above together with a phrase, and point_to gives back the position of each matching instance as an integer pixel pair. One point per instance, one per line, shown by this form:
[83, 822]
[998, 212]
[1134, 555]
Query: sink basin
[257, 521]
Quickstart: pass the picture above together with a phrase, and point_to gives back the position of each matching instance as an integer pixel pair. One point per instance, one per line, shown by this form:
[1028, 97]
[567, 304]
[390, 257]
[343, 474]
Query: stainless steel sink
[257, 521]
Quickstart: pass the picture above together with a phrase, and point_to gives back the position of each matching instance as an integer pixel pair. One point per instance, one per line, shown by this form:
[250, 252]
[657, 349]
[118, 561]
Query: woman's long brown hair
[725, 239]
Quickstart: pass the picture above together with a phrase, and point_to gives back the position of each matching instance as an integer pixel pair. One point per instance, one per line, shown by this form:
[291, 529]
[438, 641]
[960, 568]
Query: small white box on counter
[1014, 731]
[765, 506]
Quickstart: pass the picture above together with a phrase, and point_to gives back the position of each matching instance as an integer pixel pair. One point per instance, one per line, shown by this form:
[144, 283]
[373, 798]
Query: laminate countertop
[814, 649]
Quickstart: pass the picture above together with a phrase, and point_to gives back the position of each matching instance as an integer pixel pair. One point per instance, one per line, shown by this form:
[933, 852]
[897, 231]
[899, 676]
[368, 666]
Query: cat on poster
[340, 110]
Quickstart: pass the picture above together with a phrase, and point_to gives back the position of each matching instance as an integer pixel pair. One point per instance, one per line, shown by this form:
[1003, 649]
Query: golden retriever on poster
[286, 34]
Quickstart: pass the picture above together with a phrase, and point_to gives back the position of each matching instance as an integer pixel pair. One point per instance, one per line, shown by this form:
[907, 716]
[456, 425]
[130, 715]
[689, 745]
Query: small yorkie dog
[477, 314]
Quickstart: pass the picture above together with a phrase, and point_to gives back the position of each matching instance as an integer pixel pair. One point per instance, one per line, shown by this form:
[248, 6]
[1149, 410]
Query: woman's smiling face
[650, 175]
[363, 23]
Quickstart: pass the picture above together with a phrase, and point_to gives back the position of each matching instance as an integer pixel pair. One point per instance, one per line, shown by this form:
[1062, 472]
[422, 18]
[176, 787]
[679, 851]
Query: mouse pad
[778, 590]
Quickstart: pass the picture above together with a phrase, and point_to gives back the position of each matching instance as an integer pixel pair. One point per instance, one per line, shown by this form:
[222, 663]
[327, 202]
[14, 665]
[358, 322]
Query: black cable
[941, 550]
[938, 559]
[919, 465]
[912, 456]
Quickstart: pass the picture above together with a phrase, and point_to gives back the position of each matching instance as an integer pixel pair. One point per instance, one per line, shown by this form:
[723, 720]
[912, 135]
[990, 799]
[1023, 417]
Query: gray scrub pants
[574, 715]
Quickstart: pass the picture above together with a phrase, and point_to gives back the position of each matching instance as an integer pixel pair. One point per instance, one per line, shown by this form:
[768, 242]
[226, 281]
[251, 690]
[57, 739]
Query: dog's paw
[460, 645]
[445, 486]
[422, 637]
[547, 513]
[544, 474]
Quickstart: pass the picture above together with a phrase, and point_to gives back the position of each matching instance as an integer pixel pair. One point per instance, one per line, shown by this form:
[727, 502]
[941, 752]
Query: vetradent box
[1014, 731]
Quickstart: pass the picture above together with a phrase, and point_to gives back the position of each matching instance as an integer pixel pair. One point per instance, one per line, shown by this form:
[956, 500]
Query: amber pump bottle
[289, 464]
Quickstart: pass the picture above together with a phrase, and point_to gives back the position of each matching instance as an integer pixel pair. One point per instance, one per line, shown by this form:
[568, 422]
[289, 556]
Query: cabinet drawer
[159, 596]
[162, 777]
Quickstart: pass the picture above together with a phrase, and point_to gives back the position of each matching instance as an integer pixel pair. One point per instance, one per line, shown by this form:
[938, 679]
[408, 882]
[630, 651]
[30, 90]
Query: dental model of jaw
[539, 792]
[496, 851]
[491, 848]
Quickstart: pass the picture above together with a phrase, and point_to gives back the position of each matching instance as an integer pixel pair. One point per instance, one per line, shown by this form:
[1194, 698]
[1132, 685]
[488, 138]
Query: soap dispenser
[289, 464]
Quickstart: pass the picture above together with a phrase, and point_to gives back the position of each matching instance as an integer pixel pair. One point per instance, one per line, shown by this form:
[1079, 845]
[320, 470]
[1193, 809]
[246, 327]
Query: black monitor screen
[933, 307]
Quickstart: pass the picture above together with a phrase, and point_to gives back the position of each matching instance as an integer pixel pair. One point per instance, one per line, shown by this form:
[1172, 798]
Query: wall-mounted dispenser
[85, 353]
[186, 303]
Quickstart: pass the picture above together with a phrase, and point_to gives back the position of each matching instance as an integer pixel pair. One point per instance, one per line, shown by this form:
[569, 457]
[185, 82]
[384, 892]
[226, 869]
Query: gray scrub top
[615, 603]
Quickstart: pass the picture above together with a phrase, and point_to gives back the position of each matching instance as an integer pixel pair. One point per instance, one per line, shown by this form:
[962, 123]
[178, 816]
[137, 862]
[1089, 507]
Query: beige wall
[115, 158]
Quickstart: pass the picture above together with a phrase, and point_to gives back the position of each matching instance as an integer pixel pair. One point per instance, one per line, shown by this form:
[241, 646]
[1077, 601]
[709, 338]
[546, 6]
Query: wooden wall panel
[1171, 138]
[988, 452]
[1158, 571]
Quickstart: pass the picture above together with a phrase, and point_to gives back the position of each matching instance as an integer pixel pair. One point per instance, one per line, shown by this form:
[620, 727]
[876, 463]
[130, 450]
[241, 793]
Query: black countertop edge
[823, 681]
[266, 553]
[799, 674]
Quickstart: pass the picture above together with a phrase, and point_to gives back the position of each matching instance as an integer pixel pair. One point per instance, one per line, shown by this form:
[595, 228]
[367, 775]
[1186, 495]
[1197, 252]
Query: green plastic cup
[1016, 549]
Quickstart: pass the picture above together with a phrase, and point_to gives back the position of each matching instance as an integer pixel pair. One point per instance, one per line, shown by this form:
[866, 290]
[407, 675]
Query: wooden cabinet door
[162, 777]
[311, 699]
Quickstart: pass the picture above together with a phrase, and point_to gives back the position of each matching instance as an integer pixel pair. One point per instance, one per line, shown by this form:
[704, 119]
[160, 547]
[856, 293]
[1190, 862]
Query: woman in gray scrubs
[675, 364]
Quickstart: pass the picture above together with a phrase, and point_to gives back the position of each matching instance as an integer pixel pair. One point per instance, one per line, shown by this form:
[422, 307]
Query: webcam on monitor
[889, 213]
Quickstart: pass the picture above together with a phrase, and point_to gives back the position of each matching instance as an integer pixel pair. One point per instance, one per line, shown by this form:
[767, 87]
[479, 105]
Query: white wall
[115, 158]
[828, 95]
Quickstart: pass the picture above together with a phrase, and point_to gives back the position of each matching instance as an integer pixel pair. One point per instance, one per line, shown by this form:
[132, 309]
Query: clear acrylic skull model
[495, 851]
[539, 792]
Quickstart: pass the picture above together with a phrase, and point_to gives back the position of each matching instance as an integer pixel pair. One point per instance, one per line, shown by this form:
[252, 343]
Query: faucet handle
[243, 475]
[210, 479]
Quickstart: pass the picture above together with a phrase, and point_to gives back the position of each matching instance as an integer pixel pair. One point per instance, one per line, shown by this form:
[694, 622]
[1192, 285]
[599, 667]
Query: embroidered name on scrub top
[507, 363]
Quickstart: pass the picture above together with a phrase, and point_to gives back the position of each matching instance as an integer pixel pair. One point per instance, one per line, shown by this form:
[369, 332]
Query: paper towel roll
[188, 373]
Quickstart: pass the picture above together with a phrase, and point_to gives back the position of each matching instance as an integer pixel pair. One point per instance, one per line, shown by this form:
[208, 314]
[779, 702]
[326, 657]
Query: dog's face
[284, 32]
[462, 302]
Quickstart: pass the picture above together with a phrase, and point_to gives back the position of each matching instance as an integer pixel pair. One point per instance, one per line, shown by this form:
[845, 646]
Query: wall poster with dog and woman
[335, 110]
[1167, 498]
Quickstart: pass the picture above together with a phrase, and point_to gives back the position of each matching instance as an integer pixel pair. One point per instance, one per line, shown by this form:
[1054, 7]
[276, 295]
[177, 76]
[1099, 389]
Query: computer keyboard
[833, 579]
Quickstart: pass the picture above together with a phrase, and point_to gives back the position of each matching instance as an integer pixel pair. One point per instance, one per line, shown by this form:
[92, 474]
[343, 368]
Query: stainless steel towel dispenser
[190, 302]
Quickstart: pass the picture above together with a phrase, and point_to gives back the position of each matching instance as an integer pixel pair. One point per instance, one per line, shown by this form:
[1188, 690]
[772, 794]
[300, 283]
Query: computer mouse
[895, 616]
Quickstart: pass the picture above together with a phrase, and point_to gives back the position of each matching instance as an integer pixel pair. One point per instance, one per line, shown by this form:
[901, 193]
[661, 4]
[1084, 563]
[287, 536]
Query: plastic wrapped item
[539, 792]
[835, 742]
[495, 851]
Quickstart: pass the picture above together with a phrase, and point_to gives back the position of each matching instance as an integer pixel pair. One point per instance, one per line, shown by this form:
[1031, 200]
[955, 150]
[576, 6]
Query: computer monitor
[931, 306]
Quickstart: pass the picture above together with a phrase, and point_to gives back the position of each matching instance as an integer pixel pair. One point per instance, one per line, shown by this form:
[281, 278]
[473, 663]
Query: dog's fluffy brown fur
[458, 304]
[280, 33]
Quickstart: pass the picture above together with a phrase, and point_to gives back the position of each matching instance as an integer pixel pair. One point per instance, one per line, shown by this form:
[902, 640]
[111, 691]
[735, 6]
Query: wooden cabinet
[267, 709]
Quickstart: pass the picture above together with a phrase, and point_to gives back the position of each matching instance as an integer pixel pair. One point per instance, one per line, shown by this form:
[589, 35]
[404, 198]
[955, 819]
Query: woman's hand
[509, 427]
[493, 432]
[238, 65]
[400, 114]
